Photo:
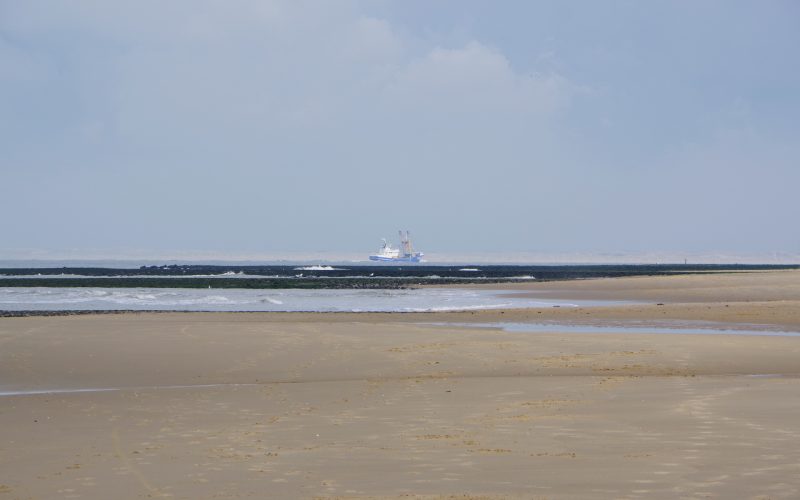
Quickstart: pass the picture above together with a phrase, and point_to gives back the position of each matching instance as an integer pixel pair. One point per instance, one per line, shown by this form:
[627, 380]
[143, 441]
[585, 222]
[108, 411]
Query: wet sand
[266, 405]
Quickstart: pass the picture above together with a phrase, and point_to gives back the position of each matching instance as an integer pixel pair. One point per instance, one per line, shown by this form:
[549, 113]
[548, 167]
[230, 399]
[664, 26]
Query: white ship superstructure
[405, 253]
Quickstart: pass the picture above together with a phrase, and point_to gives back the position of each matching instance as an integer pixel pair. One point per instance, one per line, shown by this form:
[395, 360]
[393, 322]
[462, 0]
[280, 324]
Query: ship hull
[379, 258]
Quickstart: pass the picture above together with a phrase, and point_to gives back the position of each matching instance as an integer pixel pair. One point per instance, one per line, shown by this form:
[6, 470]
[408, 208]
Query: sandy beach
[389, 406]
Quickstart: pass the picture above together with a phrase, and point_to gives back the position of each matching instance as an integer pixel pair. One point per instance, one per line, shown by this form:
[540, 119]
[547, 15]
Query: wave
[283, 300]
[319, 268]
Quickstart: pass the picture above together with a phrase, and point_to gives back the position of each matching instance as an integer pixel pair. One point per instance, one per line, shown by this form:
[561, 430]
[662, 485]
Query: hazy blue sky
[295, 126]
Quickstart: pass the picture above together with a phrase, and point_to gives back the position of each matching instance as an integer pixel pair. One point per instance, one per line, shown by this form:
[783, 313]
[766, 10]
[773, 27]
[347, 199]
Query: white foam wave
[298, 300]
[319, 268]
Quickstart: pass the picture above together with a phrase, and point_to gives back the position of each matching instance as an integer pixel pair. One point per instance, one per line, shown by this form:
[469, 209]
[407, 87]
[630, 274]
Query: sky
[293, 127]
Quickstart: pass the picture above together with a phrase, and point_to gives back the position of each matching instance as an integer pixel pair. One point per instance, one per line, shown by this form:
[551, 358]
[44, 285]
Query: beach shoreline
[390, 406]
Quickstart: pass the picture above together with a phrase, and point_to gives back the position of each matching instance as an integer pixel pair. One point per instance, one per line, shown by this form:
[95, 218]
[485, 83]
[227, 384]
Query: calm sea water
[468, 272]
[316, 276]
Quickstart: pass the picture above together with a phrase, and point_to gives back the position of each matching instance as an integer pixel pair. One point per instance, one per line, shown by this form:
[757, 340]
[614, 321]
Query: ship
[405, 253]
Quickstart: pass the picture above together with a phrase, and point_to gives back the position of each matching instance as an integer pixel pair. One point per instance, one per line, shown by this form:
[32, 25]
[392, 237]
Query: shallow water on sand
[37, 392]
[670, 328]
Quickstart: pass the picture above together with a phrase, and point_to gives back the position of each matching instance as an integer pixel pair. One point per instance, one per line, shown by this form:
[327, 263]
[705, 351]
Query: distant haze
[260, 129]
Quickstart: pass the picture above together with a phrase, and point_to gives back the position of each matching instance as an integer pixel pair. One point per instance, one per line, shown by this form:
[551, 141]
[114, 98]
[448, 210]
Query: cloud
[372, 40]
[200, 69]
[475, 78]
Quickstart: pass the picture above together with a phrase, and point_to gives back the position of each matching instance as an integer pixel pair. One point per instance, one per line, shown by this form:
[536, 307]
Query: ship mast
[404, 242]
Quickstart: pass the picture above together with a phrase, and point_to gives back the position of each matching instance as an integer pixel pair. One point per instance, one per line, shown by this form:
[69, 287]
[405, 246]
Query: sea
[305, 287]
